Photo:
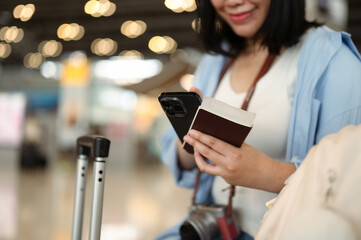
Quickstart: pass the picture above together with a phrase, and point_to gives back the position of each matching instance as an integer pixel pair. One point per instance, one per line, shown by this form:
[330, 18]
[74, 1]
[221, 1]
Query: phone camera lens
[170, 112]
[165, 104]
[178, 108]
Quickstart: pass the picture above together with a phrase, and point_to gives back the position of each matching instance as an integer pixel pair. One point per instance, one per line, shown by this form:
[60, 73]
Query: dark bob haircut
[283, 27]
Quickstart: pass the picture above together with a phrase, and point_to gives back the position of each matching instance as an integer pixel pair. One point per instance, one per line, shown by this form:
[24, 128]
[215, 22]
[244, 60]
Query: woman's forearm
[272, 174]
[185, 160]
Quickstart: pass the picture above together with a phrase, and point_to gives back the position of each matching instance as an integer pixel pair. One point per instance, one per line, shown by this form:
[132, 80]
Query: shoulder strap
[265, 67]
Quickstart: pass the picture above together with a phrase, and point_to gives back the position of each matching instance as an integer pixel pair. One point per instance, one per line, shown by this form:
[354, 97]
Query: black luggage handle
[93, 146]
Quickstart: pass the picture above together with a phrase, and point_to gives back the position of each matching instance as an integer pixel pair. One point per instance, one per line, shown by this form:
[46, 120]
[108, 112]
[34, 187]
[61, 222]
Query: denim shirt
[327, 98]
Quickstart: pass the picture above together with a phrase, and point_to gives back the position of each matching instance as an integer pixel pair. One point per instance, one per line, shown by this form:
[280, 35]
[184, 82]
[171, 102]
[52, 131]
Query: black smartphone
[180, 108]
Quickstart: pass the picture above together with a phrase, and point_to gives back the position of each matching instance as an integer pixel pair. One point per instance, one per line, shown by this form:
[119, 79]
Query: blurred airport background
[68, 68]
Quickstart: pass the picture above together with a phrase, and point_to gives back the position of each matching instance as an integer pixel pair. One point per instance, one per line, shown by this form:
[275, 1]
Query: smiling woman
[307, 64]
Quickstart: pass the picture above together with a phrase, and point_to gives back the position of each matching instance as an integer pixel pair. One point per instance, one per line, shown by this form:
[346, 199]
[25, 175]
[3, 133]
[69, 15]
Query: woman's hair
[283, 26]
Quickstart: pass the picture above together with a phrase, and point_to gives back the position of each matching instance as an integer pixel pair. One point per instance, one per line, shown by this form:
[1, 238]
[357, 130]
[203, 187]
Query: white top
[272, 102]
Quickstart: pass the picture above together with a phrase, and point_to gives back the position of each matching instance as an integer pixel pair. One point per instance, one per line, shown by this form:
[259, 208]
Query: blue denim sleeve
[296, 161]
[340, 93]
[169, 158]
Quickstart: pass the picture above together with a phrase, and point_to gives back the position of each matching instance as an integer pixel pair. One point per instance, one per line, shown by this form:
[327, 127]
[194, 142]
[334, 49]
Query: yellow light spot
[17, 11]
[33, 60]
[5, 50]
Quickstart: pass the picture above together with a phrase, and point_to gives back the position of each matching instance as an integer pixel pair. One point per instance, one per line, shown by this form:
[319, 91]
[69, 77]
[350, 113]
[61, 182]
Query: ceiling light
[104, 47]
[19, 35]
[18, 11]
[173, 4]
[33, 60]
[171, 44]
[2, 33]
[24, 13]
[50, 48]
[72, 31]
[162, 45]
[103, 6]
[111, 10]
[5, 50]
[157, 44]
[91, 7]
[11, 34]
[99, 8]
[80, 33]
[189, 5]
[133, 29]
[179, 6]
[125, 71]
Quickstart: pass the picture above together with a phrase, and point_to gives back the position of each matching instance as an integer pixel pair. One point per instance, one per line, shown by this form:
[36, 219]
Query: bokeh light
[133, 29]
[98, 8]
[11, 34]
[160, 45]
[5, 50]
[33, 60]
[179, 6]
[24, 12]
[104, 46]
[50, 48]
[72, 31]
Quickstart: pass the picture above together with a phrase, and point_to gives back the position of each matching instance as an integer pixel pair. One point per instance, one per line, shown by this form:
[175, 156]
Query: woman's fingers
[204, 166]
[202, 147]
[210, 142]
[207, 146]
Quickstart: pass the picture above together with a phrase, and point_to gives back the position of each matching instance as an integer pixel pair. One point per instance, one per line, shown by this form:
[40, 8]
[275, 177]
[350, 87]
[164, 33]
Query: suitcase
[96, 149]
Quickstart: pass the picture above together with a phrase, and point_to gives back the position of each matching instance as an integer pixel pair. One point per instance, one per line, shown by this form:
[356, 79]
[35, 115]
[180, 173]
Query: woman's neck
[254, 47]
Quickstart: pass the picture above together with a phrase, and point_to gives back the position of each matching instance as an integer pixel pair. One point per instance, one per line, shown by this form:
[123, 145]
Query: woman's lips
[241, 16]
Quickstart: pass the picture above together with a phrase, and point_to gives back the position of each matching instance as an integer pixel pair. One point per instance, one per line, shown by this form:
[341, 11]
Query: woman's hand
[245, 166]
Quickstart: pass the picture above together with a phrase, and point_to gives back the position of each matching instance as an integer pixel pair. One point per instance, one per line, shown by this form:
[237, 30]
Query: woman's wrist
[266, 173]
[275, 174]
[185, 159]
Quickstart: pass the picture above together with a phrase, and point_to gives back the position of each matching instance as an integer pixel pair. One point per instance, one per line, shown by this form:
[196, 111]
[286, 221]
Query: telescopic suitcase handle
[97, 148]
[93, 146]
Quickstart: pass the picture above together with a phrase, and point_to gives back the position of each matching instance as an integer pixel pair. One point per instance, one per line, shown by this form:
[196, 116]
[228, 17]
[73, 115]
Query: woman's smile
[241, 17]
[245, 17]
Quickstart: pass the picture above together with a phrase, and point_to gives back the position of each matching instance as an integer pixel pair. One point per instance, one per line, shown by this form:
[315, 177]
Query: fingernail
[191, 132]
